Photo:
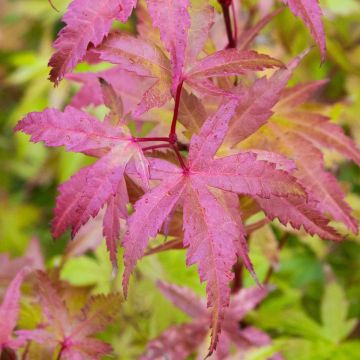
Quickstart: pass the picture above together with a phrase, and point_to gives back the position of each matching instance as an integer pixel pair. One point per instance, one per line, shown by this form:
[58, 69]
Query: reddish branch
[146, 139]
[172, 138]
[226, 4]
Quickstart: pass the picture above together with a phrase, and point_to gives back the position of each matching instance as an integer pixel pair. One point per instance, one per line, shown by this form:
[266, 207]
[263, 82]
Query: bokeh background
[315, 312]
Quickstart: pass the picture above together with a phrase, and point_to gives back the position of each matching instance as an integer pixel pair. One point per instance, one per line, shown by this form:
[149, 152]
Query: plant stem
[225, 4]
[166, 139]
[180, 158]
[176, 110]
[235, 33]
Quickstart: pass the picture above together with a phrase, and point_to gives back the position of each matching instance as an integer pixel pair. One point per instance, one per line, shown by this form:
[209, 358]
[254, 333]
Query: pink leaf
[128, 85]
[9, 310]
[86, 349]
[322, 186]
[75, 129]
[204, 146]
[321, 132]
[35, 255]
[211, 236]
[310, 13]
[184, 299]
[256, 103]
[150, 211]
[113, 102]
[213, 230]
[244, 301]
[192, 113]
[201, 19]
[231, 62]
[244, 174]
[116, 209]
[85, 194]
[87, 22]
[297, 212]
[180, 341]
[73, 331]
[177, 342]
[298, 94]
[172, 18]
[146, 60]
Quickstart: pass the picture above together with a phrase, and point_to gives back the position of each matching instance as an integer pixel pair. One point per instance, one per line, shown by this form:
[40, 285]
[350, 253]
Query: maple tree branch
[141, 139]
[176, 110]
[180, 158]
[225, 4]
[270, 272]
[235, 33]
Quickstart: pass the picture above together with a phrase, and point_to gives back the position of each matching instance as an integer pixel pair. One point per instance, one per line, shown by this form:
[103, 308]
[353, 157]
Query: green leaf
[334, 310]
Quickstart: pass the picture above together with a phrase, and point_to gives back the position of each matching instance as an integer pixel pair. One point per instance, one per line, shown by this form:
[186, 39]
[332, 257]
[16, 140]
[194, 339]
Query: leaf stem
[225, 4]
[176, 110]
[140, 139]
[180, 158]
[235, 33]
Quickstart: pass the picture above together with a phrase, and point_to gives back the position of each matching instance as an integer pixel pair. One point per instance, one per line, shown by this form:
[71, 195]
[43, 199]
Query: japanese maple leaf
[178, 342]
[9, 311]
[184, 39]
[127, 85]
[95, 186]
[9, 267]
[270, 117]
[87, 22]
[72, 333]
[310, 13]
[207, 188]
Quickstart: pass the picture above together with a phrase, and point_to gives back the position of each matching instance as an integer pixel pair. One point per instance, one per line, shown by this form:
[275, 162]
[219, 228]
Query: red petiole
[225, 4]
[172, 138]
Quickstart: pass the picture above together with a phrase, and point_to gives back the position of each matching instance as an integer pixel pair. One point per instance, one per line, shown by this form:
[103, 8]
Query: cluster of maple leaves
[240, 136]
[67, 326]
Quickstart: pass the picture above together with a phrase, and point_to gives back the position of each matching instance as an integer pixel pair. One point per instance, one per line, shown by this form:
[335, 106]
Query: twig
[225, 4]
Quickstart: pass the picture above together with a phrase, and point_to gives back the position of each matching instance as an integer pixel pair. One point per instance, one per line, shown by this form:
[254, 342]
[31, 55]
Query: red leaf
[172, 18]
[213, 233]
[310, 13]
[73, 332]
[87, 22]
[9, 311]
[91, 188]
